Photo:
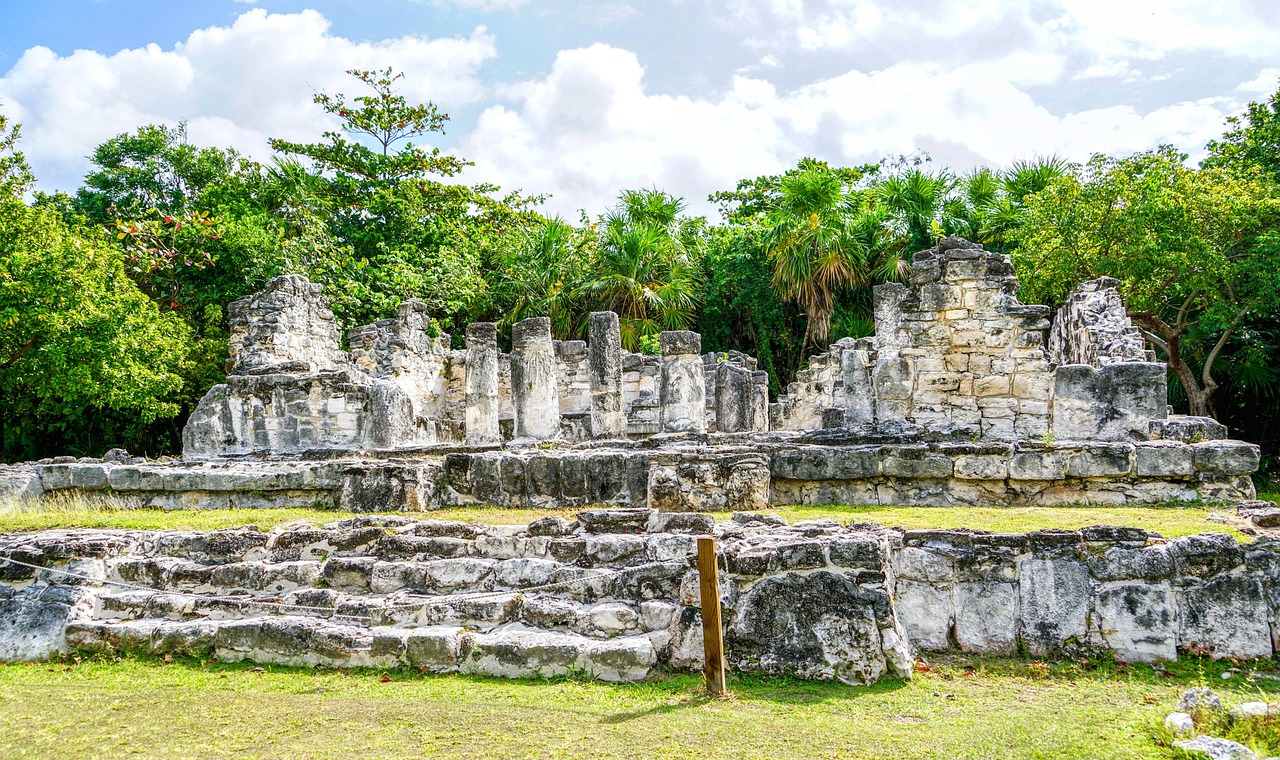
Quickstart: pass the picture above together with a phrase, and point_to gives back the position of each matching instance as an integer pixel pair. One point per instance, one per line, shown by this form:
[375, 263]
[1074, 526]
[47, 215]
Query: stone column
[733, 398]
[759, 401]
[533, 380]
[859, 393]
[482, 384]
[682, 390]
[604, 374]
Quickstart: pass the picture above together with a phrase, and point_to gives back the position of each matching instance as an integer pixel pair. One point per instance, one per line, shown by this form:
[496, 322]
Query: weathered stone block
[1226, 457]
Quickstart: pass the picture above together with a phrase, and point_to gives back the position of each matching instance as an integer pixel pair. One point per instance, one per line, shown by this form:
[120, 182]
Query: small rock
[1180, 723]
[758, 518]
[1216, 749]
[116, 455]
[1254, 710]
[1266, 518]
[1199, 699]
[554, 525]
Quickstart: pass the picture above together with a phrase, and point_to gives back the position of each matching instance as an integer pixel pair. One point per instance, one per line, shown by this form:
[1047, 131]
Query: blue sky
[580, 99]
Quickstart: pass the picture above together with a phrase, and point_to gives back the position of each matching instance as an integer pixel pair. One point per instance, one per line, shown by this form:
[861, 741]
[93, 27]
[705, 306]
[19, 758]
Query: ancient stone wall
[1093, 327]
[287, 327]
[1107, 386]
[615, 594]
[685, 476]
[957, 352]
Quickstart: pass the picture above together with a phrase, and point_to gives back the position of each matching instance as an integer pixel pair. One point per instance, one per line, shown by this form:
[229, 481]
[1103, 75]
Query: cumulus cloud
[590, 127]
[596, 122]
[236, 86]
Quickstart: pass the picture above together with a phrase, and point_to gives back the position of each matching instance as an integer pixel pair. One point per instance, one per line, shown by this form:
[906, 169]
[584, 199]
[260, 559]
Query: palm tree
[817, 243]
[644, 268]
[922, 207]
[536, 276]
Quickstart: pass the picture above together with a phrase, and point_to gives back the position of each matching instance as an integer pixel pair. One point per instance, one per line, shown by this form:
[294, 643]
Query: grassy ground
[1169, 521]
[984, 708]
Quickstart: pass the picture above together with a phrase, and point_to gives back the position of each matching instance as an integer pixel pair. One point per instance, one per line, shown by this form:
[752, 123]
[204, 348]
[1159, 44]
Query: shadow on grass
[685, 691]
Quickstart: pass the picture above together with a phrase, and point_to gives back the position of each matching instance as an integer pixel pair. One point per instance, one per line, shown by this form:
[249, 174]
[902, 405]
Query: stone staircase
[385, 591]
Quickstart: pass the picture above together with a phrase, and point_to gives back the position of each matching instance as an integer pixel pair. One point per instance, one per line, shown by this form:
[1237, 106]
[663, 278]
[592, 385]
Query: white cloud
[590, 127]
[235, 86]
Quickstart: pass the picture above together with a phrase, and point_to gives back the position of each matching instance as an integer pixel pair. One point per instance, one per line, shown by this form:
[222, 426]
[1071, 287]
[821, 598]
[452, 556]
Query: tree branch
[14, 359]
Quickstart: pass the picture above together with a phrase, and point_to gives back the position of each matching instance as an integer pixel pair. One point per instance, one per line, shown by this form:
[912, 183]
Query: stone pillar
[604, 374]
[733, 398]
[482, 384]
[533, 380]
[859, 393]
[760, 401]
[682, 391]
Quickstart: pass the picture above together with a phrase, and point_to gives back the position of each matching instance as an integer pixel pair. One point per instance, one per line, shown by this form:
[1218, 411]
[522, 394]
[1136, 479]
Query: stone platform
[715, 473]
[614, 594]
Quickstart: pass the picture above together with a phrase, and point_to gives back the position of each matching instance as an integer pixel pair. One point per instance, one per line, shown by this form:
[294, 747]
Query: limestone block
[534, 390]
[1046, 464]
[1138, 621]
[608, 417]
[1054, 601]
[986, 616]
[982, 467]
[1101, 461]
[747, 487]
[926, 613]
[916, 466]
[820, 625]
[682, 390]
[1120, 563]
[481, 415]
[1163, 459]
[1116, 402]
[1188, 429]
[1205, 555]
[1226, 457]
[1226, 617]
[733, 398]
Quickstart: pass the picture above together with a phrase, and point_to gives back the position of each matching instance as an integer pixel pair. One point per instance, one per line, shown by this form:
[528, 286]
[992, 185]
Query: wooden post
[712, 631]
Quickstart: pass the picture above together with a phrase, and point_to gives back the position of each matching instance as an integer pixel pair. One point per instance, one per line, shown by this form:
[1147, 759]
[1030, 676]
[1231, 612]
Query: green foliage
[1252, 143]
[536, 273]
[742, 310]
[77, 337]
[1196, 252]
[814, 246]
[645, 267]
[387, 118]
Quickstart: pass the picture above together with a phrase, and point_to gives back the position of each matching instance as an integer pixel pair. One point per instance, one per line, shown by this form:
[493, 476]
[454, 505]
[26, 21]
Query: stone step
[599, 620]
[657, 574]
[512, 651]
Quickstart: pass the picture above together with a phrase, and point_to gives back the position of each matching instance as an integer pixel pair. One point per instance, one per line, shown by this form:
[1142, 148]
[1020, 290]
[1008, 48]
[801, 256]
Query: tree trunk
[1199, 398]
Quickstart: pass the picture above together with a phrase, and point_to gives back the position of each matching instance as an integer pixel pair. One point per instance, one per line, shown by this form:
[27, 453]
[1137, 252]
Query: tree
[814, 246]
[538, 273]
[77, 337]
[392, 230]
[386, 117]
[1196, 251]
[644, 268]
[155, 167]
[1252, 142]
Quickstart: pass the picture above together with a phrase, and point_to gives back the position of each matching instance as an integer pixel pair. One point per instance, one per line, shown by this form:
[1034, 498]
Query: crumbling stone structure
[615, 594]
[963, 396]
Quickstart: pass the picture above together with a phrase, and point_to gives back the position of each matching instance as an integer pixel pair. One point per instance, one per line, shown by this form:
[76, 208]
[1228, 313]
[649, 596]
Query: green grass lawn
[981, 708]
[1169, 521]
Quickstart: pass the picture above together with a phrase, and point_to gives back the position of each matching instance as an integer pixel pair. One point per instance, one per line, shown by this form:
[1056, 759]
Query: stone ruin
[615, 595]
[964, 396]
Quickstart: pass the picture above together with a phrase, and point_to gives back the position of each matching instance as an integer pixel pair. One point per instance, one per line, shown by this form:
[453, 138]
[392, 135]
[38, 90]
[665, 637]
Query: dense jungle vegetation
[112, 300]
